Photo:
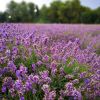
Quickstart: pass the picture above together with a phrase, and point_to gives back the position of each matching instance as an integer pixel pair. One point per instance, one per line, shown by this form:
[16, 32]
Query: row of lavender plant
[49, 62]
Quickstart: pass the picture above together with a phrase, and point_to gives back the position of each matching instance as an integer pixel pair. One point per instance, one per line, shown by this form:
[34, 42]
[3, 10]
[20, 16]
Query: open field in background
[49, 62]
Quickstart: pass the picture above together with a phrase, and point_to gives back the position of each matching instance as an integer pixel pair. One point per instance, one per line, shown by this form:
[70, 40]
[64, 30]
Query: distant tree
[97, 11]
[54, 11]
[68, 11]
[32, 11]
[3, 17]
[22, 12]
[73, 11]
[89, 16]
[44, 14]
[12, 10]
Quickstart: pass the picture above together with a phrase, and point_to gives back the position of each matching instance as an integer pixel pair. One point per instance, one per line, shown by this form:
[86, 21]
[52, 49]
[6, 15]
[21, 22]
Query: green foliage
[70, 11]
[41, 68]
[98, 51]
[32, 59]
[21, 12]
[68, 67]
[58, 83]
[72, 64]
[27, 62]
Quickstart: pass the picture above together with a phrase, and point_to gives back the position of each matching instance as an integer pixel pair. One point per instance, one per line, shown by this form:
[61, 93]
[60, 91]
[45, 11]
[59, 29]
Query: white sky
[90, 3]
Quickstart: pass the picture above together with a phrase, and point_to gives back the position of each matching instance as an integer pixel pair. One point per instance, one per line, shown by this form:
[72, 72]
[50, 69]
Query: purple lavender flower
[33, 67]
[8, 53]
[14, 50]
[53, 72]
[33, 79]
[22, 98]
[8, 82]
[46, 88]
[87, 80]
[44, 74]
[62, 72]
[77, 95]
[18, 74]
[12, 92]
[69, 86]
[18, 84]
[2, 60]
[52, 95]
[36, 79]
[98, 72]
[39, 63]
[12, 66]
[46, 58]
[22, 73]
[4, 89]
[5, 70]
[82, 75]
[28, 85]
[53, 65]
[23, 69]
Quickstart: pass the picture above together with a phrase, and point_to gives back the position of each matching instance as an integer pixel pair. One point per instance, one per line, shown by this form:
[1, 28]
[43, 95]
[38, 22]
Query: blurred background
[50, 11]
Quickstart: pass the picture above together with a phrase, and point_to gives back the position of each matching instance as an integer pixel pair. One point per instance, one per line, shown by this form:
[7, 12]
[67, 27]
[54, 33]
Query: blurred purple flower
[39, 63]
[33, 67]
[22, 98]
[46, 88]
[87, 80]
[77, 95]
[12, 66]
[4, 89]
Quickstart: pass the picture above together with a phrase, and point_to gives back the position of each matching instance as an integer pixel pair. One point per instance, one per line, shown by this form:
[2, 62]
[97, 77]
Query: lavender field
[49, 62]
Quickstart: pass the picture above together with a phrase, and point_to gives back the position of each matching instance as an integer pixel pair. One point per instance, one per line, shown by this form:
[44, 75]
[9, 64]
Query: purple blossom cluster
[49, 62]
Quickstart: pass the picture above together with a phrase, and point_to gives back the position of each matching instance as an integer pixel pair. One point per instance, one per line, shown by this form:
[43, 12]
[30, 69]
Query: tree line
[58, 12]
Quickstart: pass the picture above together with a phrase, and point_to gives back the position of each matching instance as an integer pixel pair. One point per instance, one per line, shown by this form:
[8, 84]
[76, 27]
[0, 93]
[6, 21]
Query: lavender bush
[49, 62]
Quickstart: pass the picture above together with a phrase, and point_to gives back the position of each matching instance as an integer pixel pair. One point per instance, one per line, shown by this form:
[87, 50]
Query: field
[49, 62]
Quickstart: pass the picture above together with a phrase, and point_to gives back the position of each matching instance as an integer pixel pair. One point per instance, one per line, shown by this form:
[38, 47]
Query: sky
[90, 3]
